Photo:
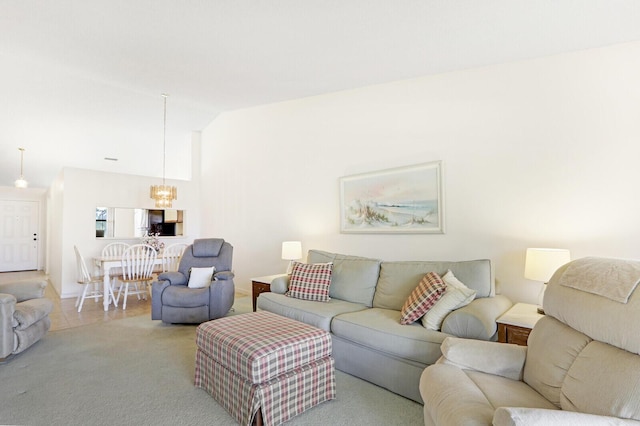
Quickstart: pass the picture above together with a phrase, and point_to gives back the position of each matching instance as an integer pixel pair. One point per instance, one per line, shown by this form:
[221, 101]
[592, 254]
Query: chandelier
[21, 182]
[164, 194]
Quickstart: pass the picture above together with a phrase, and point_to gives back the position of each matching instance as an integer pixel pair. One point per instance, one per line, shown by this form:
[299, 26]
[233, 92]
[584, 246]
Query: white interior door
[19, 237]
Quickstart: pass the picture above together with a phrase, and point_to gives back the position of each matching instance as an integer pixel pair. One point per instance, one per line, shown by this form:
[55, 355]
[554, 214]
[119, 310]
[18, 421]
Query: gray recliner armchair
[173, 301]
[24, 316]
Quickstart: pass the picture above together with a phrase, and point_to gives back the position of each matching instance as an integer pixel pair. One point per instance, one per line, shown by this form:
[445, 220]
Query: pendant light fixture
[21, 182]
[164, 194]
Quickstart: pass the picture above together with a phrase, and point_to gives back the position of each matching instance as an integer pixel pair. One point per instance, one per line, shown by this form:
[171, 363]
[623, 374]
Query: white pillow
[456, 296]
[200, 277]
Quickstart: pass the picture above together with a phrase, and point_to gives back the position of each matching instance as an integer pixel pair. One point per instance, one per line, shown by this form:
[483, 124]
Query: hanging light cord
[164, 139]
[21, 160]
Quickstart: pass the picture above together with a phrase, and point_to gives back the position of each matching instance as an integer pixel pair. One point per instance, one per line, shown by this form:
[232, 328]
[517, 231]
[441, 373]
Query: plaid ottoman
[264, 366]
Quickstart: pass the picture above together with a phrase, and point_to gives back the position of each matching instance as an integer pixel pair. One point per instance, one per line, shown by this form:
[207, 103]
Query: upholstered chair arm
[24, 290]
[7, 308]
[221, 297]
[512, 416]
[499, 359]
[224, 275]
[280, 284]
[477, 320]
[174, 278]
[157, 288]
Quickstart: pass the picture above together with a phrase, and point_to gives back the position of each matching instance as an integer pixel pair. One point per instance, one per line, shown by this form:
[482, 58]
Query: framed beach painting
[402, 200]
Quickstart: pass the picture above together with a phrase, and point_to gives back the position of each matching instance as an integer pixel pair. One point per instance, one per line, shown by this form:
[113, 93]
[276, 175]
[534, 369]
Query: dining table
[106, 263]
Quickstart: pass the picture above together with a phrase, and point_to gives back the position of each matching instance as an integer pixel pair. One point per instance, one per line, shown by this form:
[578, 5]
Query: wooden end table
[261, 285]
[515, 325]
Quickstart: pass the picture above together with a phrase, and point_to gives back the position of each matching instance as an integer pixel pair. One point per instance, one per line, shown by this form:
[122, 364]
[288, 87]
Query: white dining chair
[114, 250]
[137, 271]
[171, 256]
[92, 284]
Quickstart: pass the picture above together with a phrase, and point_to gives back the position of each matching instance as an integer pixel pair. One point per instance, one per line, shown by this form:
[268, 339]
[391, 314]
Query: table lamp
[540, 265]
[291, 250]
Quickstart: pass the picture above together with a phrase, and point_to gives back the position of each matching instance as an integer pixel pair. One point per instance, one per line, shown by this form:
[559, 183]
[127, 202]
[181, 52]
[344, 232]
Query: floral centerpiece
[153, 240]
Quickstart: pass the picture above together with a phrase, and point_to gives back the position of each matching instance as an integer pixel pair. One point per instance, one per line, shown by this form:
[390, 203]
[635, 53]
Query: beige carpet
[136, 371]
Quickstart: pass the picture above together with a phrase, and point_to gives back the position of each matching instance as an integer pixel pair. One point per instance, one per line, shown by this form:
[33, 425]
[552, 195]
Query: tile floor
[66, 315]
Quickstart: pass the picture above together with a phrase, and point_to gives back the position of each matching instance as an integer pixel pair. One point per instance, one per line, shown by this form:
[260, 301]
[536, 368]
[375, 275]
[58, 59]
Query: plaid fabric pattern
[264, 361]
[310, 281]
[422, 298]
[261, 345]
[280, 398]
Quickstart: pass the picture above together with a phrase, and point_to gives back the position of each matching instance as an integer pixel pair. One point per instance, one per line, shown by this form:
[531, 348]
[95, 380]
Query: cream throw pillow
[456, 296]
[200, 277]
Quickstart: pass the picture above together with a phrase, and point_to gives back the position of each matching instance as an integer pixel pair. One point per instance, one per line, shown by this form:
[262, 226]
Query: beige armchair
[581, 366]
[24, 316]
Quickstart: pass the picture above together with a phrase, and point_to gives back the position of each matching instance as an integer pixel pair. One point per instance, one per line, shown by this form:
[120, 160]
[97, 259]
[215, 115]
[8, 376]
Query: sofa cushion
[185, 297]
[353, 278]
[207, 247]
[380, 330]
[553, 347]
[310, 281]
[398, 279]
[598, 317]
[422, 298]
[603, 380]
[309, 312]
[470, 397]
[455, 296]
[31, 311]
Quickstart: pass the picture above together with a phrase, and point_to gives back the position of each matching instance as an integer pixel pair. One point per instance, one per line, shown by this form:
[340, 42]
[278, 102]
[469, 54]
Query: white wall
[539, 153]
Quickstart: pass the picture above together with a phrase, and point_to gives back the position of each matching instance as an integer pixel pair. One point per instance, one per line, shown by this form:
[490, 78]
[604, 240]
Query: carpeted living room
[325, 212]
[123, 368]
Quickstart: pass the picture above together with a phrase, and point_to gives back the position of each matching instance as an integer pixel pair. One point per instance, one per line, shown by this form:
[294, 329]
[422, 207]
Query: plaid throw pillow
[422, 298]
[310, 281]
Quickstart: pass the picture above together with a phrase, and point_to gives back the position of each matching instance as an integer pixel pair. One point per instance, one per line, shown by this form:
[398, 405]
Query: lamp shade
[541, 263]
[291, 250]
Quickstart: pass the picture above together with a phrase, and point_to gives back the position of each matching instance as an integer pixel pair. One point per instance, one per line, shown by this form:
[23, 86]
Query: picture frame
[402, 200]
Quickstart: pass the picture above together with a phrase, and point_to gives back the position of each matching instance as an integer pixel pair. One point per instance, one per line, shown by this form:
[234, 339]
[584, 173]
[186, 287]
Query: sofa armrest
[24, 290]
[280, 284]
[7, 308]
[477, 320]
[173, 278]
[224, 275]
[499, 359]
[157, 288]
[511, 416]
[221, 297]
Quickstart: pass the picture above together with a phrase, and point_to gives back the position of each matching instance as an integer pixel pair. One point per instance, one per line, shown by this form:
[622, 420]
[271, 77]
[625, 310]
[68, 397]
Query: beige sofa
[24, 316]
[363, 315]
[581, 366]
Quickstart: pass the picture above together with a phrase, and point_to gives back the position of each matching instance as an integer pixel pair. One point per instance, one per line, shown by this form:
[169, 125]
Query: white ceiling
[81, 80]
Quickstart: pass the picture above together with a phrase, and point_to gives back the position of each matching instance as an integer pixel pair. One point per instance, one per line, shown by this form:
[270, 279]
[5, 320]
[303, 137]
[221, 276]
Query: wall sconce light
[21, 181]
[291, 250]
[540, 265]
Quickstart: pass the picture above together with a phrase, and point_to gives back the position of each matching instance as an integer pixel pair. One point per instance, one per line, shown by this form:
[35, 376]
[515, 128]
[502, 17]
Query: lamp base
[290, 267]
[543, 288]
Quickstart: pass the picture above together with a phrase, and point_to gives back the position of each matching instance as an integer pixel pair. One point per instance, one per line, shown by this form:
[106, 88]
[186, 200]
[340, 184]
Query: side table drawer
[513, 334]
[257, 289]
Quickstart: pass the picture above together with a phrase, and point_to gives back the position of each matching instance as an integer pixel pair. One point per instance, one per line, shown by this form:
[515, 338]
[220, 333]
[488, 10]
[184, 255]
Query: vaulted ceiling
[81, 80]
